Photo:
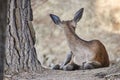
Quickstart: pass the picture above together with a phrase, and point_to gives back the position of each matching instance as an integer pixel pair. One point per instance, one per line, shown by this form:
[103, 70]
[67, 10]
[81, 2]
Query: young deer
[84, 54]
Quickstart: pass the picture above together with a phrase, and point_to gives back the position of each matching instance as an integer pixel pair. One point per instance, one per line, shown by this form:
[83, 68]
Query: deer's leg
[66, 61]
[68, 64]
[91, 65]
[71, 66]
[55, 67]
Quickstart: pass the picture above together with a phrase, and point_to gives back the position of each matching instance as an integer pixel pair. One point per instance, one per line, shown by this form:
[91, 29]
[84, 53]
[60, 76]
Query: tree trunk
[3, 22]
[20, 38]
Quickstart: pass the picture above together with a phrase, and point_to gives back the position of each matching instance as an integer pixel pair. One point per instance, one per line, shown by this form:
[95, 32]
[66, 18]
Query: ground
[62, 75]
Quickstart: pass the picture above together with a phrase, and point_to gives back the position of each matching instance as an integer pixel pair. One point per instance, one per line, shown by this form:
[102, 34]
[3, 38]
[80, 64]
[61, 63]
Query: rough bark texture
[3, 22]
[20, 40]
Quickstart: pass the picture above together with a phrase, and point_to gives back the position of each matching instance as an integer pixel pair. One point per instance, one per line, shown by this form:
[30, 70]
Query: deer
[83, 54]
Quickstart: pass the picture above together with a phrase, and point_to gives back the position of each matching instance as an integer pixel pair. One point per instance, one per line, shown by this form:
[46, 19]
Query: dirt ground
[47, 74]
[61, 75]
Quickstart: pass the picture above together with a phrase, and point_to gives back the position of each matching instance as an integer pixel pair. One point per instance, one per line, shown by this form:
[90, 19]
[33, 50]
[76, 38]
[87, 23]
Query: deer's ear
[55, 19]
[78, 15]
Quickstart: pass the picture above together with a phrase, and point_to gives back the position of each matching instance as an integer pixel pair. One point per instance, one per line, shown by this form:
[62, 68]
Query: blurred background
[101, 20]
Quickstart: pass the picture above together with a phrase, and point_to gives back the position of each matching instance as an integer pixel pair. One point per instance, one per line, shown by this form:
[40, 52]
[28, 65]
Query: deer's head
[69, 23]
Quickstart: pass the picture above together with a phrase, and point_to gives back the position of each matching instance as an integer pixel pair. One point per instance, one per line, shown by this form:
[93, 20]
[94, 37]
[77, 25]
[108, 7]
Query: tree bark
[20, 38]
[3, 22]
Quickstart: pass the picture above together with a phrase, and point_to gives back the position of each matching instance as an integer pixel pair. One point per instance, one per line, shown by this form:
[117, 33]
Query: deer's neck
[72, 38]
